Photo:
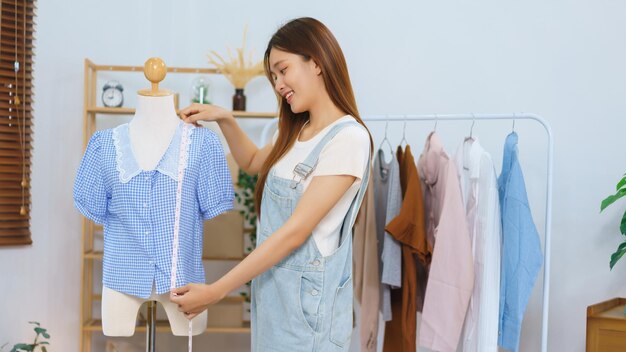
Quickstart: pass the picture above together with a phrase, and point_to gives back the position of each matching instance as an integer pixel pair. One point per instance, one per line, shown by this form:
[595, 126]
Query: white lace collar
[127, 165]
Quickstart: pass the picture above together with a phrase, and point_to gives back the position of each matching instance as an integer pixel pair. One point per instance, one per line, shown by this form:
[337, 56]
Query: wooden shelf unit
[606, 326]
[90, 255]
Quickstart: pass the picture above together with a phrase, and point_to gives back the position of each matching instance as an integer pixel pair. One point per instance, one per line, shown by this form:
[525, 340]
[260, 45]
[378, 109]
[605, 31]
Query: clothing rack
[265, 136]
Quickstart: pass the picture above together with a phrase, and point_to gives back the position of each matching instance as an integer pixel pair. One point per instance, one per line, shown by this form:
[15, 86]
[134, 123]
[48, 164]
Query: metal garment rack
[549, 176]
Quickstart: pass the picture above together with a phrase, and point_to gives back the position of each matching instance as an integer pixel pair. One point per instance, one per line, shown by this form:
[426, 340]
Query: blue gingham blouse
[137, 207]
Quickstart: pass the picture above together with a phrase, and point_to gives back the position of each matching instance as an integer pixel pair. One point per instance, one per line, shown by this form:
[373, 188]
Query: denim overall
[304, 303]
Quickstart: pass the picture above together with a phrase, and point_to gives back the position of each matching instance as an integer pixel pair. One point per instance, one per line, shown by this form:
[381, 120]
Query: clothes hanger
[404, 133]
[384, 169]
[514, 118]
[471, 135]
[385, 139]
[468, 139]
[436, 120]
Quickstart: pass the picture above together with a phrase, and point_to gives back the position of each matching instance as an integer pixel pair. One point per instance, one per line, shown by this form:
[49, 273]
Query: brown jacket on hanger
[408, 229]
[366, 277]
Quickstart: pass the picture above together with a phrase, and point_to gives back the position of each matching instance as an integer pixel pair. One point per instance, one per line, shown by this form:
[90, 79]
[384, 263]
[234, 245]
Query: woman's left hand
[192, 299]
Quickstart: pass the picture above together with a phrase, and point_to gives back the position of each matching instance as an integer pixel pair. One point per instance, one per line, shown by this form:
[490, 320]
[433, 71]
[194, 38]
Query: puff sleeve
[90, 194]
[215, 187]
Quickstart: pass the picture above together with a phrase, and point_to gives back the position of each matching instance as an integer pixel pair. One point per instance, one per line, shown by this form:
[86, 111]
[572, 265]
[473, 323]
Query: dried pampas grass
[236, 69]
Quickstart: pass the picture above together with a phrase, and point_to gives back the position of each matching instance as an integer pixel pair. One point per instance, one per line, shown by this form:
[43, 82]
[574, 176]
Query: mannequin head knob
[154, 69]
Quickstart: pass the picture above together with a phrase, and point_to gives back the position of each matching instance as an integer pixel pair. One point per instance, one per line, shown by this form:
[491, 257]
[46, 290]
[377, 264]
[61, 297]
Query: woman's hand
[192, 299]
[204, 112]
[244, 151]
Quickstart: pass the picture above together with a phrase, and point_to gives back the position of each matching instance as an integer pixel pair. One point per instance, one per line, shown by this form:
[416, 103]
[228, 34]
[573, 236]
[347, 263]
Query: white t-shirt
[345, 154]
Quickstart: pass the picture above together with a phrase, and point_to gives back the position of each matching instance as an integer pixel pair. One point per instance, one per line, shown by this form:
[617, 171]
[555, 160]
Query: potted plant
[246, 184]
[32, 347]
[620, 192]
[238, 71]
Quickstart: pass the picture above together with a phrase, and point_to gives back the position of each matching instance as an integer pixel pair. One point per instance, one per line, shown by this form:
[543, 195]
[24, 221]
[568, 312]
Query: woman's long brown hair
[312, 40]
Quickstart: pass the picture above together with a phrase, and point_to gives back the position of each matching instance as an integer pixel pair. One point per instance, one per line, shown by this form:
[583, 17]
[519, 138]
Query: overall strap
[302, 170]
[353, 211]
[356, 203]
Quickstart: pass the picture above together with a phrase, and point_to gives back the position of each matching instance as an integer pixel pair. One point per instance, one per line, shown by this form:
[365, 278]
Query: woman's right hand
[241, 147]
[204, 112]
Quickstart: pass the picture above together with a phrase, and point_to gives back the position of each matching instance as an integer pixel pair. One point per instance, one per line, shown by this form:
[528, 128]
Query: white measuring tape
[182, 163]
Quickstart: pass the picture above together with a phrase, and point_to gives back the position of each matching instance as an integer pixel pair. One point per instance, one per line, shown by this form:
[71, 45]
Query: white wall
[561, 59]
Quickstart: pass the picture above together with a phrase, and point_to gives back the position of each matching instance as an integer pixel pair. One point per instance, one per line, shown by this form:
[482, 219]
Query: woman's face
[296, 80]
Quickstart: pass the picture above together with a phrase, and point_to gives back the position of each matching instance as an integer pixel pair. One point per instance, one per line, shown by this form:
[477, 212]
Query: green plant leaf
[621, 249]
[22, 347]
[247, 184]
[612, 198]
[34, 322]
[44, 343]
[43, 332]
[623, 225]
[621, 183]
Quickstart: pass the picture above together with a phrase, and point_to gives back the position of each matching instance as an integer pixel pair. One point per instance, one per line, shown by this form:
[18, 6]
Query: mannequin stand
[151, 326]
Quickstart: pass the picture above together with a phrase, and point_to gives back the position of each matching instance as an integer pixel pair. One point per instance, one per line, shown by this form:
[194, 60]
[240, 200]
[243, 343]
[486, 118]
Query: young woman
[312, 178]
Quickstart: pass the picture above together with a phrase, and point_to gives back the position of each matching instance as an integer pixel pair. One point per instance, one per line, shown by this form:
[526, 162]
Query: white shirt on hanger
[479, 186]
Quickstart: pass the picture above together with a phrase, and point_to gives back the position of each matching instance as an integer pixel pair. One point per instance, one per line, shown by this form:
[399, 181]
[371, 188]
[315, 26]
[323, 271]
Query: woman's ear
[317, 68]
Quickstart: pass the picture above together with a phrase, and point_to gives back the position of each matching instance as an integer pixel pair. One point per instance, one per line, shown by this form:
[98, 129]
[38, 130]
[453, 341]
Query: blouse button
[316, 262]
[315, 292]
[145, 205]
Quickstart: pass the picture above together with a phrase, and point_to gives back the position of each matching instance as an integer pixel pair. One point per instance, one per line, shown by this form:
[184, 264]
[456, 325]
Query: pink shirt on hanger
[451, 276]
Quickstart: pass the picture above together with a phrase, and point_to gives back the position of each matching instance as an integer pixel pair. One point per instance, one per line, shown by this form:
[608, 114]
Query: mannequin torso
[151, 131]
[152, 128]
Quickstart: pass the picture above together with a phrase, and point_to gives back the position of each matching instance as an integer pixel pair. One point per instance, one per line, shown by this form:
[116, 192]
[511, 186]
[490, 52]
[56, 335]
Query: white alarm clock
[112, 95]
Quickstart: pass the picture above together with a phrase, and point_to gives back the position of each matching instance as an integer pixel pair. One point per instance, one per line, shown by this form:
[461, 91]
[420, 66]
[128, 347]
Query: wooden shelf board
[99, 229]
[98, 255]
[130, 111]
[139, 69]
[226, 300]
[252, 114]
[111, 111]
[164, 326]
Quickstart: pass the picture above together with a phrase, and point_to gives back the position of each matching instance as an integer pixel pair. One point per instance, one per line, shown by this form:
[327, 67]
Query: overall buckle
[301, 171]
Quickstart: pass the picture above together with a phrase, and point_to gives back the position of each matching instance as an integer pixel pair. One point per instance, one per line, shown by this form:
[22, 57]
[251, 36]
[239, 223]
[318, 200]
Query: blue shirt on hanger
[137, 207]
[522, 257]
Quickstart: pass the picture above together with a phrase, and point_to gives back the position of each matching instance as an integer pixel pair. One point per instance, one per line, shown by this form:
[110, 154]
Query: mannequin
[151, 130]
